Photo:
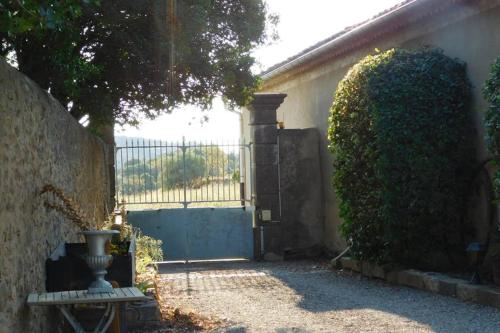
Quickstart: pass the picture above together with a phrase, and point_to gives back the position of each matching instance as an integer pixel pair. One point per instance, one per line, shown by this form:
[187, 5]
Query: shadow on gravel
[236, 330]
[279, 330]
[322, 290]
[330, 290]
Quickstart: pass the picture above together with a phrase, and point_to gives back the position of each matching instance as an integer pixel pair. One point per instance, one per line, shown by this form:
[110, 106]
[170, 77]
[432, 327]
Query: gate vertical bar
[243, 171]
[117, 184]
[185, 203]
[218, 171]
[156, 171]
[212, 166]
[207, 171]
[143, 167]
[161, 169]
[223, 175]
[133, 173]
[150, 170]
[122, 186]
[178, 159]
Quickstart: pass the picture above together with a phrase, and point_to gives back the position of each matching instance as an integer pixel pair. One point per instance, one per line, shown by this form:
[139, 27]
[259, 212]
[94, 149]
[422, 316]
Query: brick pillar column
[264, 138]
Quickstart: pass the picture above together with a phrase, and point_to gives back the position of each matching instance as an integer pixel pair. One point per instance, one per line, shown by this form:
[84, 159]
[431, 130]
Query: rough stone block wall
[301, 190]
[40, 143]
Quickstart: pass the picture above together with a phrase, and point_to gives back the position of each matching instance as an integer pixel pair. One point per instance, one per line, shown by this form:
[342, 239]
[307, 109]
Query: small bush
[401, 135]
[148, 251]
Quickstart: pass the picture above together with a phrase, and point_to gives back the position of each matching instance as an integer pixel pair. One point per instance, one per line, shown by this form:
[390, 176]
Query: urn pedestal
[97, 259]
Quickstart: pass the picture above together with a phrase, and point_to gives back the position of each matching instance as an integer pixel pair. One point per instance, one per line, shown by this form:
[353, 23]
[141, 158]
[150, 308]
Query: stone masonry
[301, 189]
[264, 138]
[40, 143]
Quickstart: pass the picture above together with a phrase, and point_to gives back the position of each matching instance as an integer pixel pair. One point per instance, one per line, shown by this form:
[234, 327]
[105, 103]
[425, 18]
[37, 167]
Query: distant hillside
[121, 140]
[143, 149]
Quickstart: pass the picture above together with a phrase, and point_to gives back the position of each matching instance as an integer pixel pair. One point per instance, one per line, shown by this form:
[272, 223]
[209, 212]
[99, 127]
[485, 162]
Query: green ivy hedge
[491, 93]
[401, 134]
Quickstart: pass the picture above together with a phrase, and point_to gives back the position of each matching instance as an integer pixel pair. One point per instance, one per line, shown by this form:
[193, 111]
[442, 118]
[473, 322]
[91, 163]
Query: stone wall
[40, 143]
[301, 198]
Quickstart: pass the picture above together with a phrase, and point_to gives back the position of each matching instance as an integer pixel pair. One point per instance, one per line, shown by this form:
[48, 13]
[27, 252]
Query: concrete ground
[309, 297]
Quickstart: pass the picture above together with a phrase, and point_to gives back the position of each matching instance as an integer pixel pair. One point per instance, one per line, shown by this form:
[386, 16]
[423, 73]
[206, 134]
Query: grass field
[215, 194]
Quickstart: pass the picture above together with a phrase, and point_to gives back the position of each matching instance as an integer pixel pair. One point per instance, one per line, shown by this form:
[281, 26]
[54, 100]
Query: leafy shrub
[401, 135]
[148, 251]
[491, 93]
[236, 176]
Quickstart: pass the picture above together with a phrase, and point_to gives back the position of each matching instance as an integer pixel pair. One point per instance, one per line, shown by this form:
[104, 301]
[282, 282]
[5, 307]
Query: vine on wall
[400, 130]
[491, 93]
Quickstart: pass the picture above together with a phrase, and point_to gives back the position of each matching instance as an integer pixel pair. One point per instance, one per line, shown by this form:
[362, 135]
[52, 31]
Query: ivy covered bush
[491, 93]
[401, 135]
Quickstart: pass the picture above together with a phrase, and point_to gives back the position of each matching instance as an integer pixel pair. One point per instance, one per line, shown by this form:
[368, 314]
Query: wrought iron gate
[161, 174]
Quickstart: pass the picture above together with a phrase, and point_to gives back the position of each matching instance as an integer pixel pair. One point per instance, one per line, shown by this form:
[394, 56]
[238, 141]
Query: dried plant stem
[68, 208]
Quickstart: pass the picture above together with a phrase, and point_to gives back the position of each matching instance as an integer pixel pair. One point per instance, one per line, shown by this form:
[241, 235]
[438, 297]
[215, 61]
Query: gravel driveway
[308, 297]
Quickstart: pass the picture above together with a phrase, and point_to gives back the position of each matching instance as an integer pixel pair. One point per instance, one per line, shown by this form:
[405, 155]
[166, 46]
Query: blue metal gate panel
[198, 233]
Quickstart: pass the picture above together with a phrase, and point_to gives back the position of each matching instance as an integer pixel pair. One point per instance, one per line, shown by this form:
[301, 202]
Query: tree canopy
[114, 60]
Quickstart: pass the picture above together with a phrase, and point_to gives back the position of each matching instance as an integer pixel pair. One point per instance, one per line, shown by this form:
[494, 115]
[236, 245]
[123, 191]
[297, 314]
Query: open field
[214, 194]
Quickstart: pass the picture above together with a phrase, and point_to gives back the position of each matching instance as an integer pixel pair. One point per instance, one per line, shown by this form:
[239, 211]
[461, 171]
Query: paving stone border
[429, 281]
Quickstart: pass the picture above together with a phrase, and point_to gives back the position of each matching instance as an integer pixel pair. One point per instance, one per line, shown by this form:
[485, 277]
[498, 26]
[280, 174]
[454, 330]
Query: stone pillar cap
[272, 100]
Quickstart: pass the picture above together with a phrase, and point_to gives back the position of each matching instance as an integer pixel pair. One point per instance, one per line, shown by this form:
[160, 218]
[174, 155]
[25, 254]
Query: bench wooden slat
[32, 298]
[136, 292]
[119, 292]
[81, 296]
[129, 292]
[124, 290]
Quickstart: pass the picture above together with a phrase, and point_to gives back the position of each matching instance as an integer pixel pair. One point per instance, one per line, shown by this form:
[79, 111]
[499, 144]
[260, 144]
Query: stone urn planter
[97, 258]
[67, 268]
[80, 266]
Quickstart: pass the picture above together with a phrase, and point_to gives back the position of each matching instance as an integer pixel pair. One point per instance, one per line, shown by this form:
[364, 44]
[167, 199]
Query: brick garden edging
[429, 281]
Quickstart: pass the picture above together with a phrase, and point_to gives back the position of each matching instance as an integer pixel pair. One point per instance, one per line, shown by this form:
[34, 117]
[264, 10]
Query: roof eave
[364, 33]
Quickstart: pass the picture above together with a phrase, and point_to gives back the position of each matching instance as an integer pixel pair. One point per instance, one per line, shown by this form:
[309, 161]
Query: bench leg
[101, 327]
[110, 314]
[71, 319]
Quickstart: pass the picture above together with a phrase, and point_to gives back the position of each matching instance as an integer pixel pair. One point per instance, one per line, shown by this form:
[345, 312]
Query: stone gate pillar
[264, 138]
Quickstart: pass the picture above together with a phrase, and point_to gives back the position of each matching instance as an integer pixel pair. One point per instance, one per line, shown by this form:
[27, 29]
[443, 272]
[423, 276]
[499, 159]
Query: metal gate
[191, 195]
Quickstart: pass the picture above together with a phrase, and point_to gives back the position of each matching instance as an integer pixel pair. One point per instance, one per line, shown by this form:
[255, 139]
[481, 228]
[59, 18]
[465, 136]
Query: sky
[302, 24]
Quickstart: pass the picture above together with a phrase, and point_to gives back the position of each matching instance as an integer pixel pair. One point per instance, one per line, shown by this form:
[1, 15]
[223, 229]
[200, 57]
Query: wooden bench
[63, 300]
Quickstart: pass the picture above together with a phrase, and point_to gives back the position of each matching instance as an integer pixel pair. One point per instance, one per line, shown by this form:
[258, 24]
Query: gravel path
[307, 297]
